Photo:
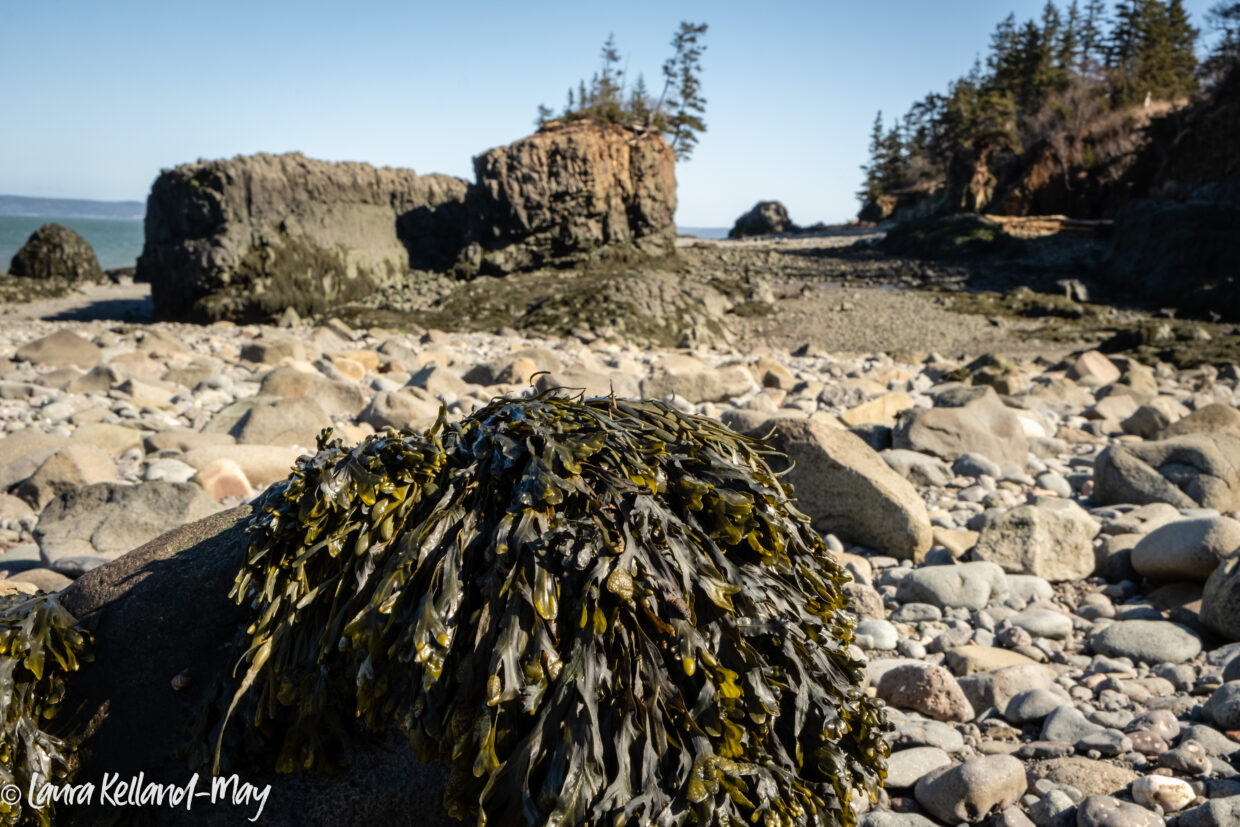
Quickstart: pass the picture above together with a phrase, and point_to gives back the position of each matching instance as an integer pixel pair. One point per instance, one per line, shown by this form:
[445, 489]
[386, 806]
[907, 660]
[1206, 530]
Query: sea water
[116, 243]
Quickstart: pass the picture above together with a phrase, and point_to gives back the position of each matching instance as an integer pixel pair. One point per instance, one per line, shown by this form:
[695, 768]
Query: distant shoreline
[26, 206]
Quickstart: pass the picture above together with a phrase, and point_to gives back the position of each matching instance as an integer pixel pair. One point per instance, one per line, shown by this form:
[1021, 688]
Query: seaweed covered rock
[597, 611]
[56, 252]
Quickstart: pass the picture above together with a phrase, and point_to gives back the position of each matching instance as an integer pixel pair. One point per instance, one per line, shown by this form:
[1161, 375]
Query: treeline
[677, 111]
[1047, 80]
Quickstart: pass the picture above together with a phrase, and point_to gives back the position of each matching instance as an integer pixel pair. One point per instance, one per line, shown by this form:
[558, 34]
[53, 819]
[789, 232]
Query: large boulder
[1193, 471]
[1050, 538]
[571, 193]
[165, 644]
[1220, 601]
[982, 424]
[764, 218]
[846, 488]
[248, 237]
[56, 252]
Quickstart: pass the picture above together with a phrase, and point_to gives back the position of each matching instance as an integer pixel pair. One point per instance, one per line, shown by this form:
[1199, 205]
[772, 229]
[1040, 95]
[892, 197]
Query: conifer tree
[682, 89]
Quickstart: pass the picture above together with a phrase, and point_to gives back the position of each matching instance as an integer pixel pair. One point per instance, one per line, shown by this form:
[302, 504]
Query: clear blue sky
[96, 97]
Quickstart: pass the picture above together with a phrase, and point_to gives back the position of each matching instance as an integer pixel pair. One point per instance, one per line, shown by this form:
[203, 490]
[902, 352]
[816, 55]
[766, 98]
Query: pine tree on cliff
[682, 90]
[1093, 40]
[872, 187]
[1224, 57]
[1152, 51]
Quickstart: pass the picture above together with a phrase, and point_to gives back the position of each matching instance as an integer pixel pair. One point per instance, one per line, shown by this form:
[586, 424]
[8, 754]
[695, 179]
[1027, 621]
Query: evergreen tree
[1223, 17]
[639, 99]
[1093, 40]
[872, 187]
[682, 89]
[1068, 49]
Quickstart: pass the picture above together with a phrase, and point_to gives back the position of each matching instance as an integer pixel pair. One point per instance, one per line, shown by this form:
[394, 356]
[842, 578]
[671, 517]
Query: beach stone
[976, 465]
[693, 381]
[1093, 368]
[1043, 623]
[1212, 741]
[846, 489]
[1215, 418]
[1188, 549]
[966, 660]
[1148, 743]
[183, 441]
[982, 425]
[929, 689]
[1187, 758]
[916, 467]
[223, 478]
[906, 766]
[1108, 811]
[24, 452]
[71, 467]
[1171, 794]
[1085, 774]
[1033, 705]
[1197, 470]
[168, 470]
[1148, 641]
[45, 580]
[1027, 588]
[916, 613]
[61, 349]
[109, 519]
[1223, 707]
[1148, 419]
[55, 251]
[337, 399]
[1069, 724]
[115, 439]
[1160, 721]
[262, 464]
[273, 351]
[296, 421]
[864, 601]
[878, 634]
[881, 410]
[967, 585]
[592, 383]
[399, 409]
[1218, 812]
[886, 818]
[1051, 538]
[1220, 599]
[972, 791]
[918, 732]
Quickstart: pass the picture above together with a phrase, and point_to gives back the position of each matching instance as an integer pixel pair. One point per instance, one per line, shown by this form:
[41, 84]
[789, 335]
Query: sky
[97, 97]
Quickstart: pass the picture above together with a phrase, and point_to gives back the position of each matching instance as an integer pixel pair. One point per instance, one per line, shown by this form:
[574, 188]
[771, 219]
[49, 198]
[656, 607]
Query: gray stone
[56, 252]
[61, 349]
[1219, 812]
[1051, 538]
[1108, 811]
[920, 613]
[168, 470]
[1186, 549]
[764, 218]
[917, 732]
[1220, 599]
[400, 410]
[968, 585]
[906, 766]
[847, 490]
[1043, 623]
[916, 467]
[1033, 705]
[295, 421]
[975, 465]
[1223, 707]
[876, 634]
[972, 791]
[982, 425]
[1067, 723]
[885, 818]
[1149, 641]
[109, 519]
[1198, 470]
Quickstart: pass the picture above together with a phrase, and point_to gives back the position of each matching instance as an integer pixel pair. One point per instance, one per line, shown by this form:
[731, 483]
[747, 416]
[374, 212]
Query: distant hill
[72, 208]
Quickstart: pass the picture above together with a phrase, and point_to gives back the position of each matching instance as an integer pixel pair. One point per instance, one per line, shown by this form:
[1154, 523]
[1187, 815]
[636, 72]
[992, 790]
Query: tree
[545, 113]
[639, 99]
[682, 89]
[1225, 55]
[872, 188]
[1093, 41]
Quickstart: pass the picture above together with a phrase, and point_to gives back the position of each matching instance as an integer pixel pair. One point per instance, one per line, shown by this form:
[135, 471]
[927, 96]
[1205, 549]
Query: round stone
[1149, 641]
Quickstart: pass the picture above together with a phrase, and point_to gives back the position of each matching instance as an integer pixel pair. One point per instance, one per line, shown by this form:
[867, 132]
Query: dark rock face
[162, 612]
[765, 218]
[573, 193]
[247, 237]
[56, 252]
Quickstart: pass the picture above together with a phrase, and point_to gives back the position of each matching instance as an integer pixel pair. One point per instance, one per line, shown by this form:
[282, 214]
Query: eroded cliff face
[246, 237]
[572, 193]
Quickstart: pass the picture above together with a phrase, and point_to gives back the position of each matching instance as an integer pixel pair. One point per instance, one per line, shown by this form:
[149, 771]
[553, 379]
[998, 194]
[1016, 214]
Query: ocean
[704, 232]
[116, 243]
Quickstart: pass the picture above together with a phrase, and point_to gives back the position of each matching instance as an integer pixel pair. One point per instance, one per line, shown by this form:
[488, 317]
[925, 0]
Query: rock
[571, 193]
[296, 421]
[45, 580]
[1051, 538]
[846, 489]
[240, 238]
[591, 383]
[764, 218]
[1068, 724]
[864, 601]
[1171, 794]
[109, 519]
[71, 467]
[692, 381]
[881, 410]
[884, 818]
[876, 634]
[399, 409]
[168, 470]
[1089, 776]
[1107, 811]
[1220, 600]
[968, 585]
[1219, 812]
[906, 766]
[56, 252]
[1149, 641]
[1093, 368]
[164, 611]
[115, 439]
[1033, 705]
[1043, 623]
[23, 453]
[337, 399]
[274, 350]
[968, 660]
[929, 689]
[1215, 418]
[262, 464]
[1223, 707]
[1154, 416]
[223, 478]
[60, 349]
[1199, 470]
[1186, 549]
[972, 791]
[917, 468]
[983, 425]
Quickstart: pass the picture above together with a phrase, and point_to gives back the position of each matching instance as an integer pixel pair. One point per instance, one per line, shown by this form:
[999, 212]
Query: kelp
[40, 642]
[596, 612]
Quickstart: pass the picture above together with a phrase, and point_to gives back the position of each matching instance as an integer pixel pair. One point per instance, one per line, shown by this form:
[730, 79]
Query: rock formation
[571, 193]
[248, 237]
[54, 251]
[765, 218]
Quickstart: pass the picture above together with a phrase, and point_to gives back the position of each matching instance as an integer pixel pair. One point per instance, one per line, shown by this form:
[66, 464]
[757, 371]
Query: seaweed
[595, 611]
[40, 642]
